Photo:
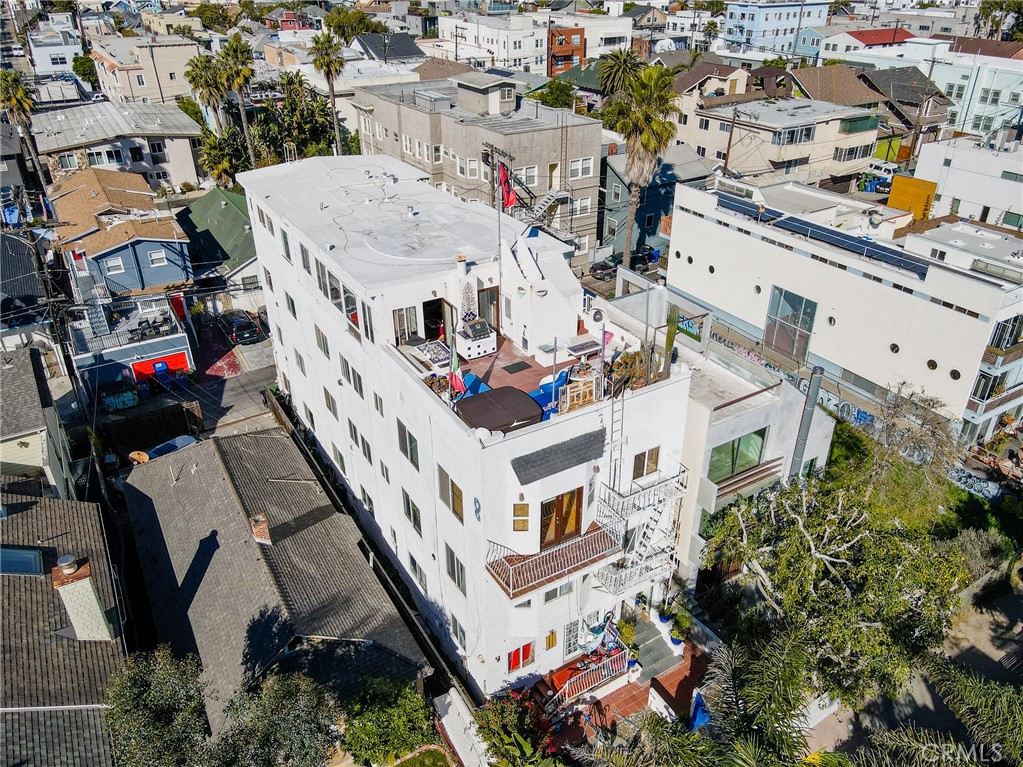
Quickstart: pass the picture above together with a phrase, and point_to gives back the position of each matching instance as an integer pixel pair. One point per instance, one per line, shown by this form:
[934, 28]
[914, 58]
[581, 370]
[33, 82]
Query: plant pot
[676, 642]
[664, 618]
[633, 662]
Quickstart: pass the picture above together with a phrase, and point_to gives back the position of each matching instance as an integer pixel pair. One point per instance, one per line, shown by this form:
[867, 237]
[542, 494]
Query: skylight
[15, 560]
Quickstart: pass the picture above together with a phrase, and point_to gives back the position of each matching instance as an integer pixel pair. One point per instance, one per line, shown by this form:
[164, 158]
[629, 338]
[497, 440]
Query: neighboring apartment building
[308, 18]
[791, 139]
[522, 515]
[157, 140]
[53, 44]
[169, 23]
[441, 126]
[976, 180]
[566, 48]
[144, 69]
[128, 263]
[510, 42]
[838, 40]
[32, 440]
[62, 640]
[799, 277]
[963, 20]
[603, 33]
[911, 104]
[770, 26]
[686, 28]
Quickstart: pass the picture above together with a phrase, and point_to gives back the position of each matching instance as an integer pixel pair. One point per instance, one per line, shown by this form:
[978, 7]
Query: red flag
[508, 196]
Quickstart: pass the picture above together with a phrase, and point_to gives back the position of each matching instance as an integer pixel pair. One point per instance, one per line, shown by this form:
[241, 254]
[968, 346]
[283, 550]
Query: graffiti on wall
[847, 411]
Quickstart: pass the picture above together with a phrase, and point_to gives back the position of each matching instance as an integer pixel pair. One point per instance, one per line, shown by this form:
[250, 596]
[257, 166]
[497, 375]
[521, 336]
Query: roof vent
[68, 564]
[223, 203]
[260, 530]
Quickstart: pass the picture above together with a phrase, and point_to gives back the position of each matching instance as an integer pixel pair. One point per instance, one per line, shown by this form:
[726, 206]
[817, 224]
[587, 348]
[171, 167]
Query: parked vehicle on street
[639, 263]
[238, 328]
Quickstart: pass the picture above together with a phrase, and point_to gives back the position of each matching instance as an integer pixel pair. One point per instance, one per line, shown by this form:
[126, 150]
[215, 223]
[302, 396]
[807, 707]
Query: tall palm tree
[17, 98]
[206, 79]
[617, 70]
[236, 63]
[649, 129]
[328, 61]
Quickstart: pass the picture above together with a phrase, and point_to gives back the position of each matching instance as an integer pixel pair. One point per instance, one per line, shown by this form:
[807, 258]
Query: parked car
[238, 328]
[639, 263]
[170, 446]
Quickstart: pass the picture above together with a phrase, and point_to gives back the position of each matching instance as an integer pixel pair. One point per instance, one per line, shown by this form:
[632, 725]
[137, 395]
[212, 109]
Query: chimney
[74, 583]
[260, 530]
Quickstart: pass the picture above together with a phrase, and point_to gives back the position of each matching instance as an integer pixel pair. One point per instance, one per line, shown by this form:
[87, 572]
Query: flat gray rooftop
[788, 113]
[481, 80]
[120, 48]
[101, 121]
[357, 209]
[979, 242]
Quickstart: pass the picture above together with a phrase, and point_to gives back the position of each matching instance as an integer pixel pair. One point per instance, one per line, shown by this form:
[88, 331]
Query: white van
[883, 170]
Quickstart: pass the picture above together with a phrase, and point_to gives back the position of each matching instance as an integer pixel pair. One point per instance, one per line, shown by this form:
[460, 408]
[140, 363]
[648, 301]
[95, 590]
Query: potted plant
[664, 613]
[640, 600]
[680, 627]
[633, 657]
[626, 633]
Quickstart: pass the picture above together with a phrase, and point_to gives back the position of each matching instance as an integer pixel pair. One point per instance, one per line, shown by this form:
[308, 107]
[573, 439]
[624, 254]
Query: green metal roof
[218, 226]
[583, 76]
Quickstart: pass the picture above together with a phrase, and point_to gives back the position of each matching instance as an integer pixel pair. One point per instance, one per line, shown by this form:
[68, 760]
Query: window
[156, 152]
[847, 154]
[571, 638]
[157, 258]
[366, 500]
[580, 207]
[581, 168]
[526, 176]
[300, 362]
[450, 493]
[737, 456]
[456, 570]
[408, 445]
[385, 472]
[1009, 175]
[556, 593]
[305, 258]
[520, 657]
[789, 323]
[285, 245]
[460, 161]
[367, 451]
[701, 150]
[68, 162]
[1014, 220]
[457, 631]
[804, 134]
[725, 127]
[612, 227]
[378, 404]
[616, 193]
[161, 175]
[322, 342]
[322, 279]
[474, 168]
[1014, 97]
[140, 80]
[353, 432]
[58, 60]
[704, 124]
[339, 459]
[406, 143]
[507, 94]
[346, 369]
[173, 75]
[719, 155]
[561, 518]
[290, 303]
[412, 512]
[520, 517]
[418, 572]
[95, 158]
[357, 383]
[405, 324]
[990, 96]
[437, 154]
[268, 279]
[310, 421]
[645, 463]
[20, 560]
[552, 639]
[330, 402]
[114, 265]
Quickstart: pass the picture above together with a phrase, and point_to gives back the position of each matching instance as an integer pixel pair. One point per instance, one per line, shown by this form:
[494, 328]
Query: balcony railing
[980, 406]
[644, 493]
[519, 574]
[91, 344]
[611, 667]
[620, 577]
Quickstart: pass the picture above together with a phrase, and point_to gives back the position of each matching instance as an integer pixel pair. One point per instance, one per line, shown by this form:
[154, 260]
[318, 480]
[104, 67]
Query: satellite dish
[598, 315]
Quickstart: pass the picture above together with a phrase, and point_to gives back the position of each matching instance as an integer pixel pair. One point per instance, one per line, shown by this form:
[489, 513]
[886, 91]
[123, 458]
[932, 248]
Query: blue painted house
[128, 269]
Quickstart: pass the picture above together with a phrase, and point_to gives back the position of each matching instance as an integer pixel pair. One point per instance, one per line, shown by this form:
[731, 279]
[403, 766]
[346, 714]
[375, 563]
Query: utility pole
[799, 28]
[490, 155]
[728, 147]
[458, 36]
[915, 135]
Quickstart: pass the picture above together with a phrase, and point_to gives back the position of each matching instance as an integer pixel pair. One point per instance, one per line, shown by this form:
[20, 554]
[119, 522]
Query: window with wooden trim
[520, 657]
[552, 639]
[450, 493]
[645, 463]
[520, 517]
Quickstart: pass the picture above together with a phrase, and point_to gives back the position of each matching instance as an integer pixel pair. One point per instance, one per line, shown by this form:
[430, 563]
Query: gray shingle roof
[104, 120]
[21, 288]
[24, 394]
[532, 467]
[400, 46]
[39, 667]
[905, 84]
[237, 602]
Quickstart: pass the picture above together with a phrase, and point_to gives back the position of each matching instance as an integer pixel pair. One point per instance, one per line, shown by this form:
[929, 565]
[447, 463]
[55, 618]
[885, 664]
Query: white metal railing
[643, 493]
[595, 676]
[619, 577]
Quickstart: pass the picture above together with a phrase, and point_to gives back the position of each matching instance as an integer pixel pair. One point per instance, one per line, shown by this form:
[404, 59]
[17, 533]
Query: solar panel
[854, 244]
[747, 207]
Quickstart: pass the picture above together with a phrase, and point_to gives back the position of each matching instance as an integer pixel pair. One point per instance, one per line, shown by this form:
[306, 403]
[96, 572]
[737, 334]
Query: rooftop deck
[526, 374]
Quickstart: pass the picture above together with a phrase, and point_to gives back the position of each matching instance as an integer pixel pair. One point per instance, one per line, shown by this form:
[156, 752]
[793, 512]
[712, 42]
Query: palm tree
[235, 60]
[217, 156]
[648, 128]
[18, 100]
[206, 79]
[328, 61]
[617, 70]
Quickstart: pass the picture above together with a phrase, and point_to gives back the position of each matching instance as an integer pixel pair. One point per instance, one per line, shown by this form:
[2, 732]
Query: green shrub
[388, 720]
[626, 633]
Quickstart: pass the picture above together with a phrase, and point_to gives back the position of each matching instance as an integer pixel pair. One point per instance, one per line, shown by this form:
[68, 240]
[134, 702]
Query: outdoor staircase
[538, 213]
[655, 654]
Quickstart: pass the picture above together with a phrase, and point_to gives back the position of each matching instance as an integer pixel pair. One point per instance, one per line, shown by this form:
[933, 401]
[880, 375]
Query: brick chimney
[260, 530]
[73, 581]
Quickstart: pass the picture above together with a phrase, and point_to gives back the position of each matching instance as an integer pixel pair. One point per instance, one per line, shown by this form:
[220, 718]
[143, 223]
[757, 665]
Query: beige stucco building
[144, 69]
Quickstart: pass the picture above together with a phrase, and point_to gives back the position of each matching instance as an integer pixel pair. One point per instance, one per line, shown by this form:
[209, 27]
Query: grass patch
[428, 758]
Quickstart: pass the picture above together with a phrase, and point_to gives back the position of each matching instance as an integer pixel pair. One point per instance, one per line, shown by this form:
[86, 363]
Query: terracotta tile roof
[882, 36]
[83, 197]
[836, 83]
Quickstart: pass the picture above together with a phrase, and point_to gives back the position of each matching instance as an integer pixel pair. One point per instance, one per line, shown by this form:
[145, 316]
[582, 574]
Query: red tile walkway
[492, 368]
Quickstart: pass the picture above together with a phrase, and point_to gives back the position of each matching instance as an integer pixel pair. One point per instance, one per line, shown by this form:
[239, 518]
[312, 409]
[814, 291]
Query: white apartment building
[976, 179]
[784, 139]
[798, 277]
[510, 42]
[517, 526]
[603, 33]
[53, 45]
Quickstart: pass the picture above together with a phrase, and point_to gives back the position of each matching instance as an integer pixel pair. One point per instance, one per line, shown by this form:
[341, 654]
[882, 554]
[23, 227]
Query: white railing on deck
[609, 668]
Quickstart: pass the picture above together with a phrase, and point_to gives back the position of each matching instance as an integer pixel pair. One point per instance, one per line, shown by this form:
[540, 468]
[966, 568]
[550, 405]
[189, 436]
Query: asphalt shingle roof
[836, 83]
[904, 84]
[39, 667]
[400, 46]
[22, 296]
[238, 602]
[551, 460]
[24, 393]
[218, 226]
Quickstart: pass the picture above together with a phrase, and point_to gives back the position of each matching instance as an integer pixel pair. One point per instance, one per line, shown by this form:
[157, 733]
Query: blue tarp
[700, 716]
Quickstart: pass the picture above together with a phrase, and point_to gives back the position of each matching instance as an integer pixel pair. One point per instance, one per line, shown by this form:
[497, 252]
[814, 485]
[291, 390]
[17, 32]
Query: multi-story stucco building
[53, 44]
[798, 277]
[774, 139]
[144, 69]
[522, 514]
[509, 42]
[770, 26]
[442, 126]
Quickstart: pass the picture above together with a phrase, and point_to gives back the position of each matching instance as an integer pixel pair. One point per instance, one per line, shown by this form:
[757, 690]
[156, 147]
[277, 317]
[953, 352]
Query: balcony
[519, 574]
[612, 667]
[621, 577]
[127, 327]
[650, 492]
[998, 357]
[980, 407]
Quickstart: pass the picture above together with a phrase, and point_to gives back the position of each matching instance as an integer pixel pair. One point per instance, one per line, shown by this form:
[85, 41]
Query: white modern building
[516, 42]
[770, 27]
[977, 179]
[798, 277]
[603, 33]
[53, 44]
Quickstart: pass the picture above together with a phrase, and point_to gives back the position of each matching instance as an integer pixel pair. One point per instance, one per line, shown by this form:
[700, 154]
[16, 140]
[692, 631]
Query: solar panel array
[859, 245]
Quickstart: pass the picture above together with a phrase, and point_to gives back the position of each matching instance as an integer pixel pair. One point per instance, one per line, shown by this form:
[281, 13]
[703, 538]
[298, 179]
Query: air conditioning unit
[80, 324]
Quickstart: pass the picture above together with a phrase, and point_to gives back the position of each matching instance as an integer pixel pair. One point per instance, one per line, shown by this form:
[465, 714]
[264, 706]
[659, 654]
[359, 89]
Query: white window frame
[110, 263]
[581, 167]
[156, 256]
[527, 175]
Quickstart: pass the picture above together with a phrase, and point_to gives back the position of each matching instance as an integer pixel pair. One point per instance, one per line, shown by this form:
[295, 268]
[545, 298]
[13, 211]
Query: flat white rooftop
[381, 221]
[788, 112]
